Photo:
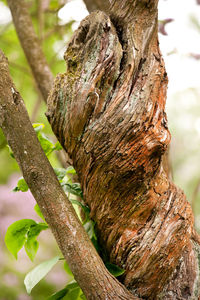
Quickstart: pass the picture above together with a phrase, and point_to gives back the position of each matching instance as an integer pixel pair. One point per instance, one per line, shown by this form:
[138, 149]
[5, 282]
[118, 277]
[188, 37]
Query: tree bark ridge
[108, 111]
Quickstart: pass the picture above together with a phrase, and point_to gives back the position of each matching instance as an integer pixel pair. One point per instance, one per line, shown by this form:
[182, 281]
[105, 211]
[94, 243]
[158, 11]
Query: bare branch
[87, 267]
[31, 45]
[93, 5]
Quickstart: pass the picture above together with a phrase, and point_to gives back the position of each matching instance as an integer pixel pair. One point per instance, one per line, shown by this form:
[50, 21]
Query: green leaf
[31, 245]
[60, 173]
[38, 273]
[39, 213]
[58, 295]
[89, 228]
[84, 207]
[16, 235]
[67, 269]
[22, 185]
[73, 188]
[38, 127]
[114, 269]
[10, 151]
[73, 294]
[70, 170]
[57, 146]
[47, 145]
[74, 291]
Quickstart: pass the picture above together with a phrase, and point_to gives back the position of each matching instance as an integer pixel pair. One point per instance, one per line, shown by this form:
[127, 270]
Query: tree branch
[87, 267]
[31, 45]
[93, 5]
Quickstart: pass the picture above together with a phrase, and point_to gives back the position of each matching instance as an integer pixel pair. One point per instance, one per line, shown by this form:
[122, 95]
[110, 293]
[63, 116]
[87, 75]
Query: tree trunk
[108, 111]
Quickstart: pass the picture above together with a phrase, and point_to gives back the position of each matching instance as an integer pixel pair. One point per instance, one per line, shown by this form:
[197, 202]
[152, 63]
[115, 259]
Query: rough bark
[108, 111]
[87, 267]
[31, 46]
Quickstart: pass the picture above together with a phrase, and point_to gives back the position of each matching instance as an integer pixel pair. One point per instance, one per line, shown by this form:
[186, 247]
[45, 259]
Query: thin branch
[194, 195]
[40, 15]
[36, 109]
[87, 267]
[31, 45]
[93, 5]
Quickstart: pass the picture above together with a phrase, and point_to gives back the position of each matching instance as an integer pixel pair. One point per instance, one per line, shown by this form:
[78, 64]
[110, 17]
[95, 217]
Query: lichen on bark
[111, 120]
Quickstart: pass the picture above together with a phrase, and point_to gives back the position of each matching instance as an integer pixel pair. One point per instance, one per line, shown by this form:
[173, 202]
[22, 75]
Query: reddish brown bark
[108, 111]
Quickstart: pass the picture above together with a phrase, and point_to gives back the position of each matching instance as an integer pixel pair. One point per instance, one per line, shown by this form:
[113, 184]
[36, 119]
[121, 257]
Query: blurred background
[54, 22]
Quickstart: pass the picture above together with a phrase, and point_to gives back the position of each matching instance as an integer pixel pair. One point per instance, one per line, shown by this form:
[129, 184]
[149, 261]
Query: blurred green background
[54, 27]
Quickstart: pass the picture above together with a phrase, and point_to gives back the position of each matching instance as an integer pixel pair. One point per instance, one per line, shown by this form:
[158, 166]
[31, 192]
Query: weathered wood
[108, 111]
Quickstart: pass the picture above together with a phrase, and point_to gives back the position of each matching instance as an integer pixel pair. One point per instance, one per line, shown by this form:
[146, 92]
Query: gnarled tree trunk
[108, 111]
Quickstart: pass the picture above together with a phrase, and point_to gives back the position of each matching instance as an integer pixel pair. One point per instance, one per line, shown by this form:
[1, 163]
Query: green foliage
[39, 272]
[47, 145]
[24, 233]
[21, 186]
[67, 269]
[71, 292]
[73, 188]
[38, 211]
[59, 295]
[114, 269]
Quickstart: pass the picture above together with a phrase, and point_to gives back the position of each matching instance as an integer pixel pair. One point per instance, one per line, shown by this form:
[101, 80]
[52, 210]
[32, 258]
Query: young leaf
[38, 127]
[10, 151]
[73, 294]
[58, 295]
[39, 213]
[84, 207]
[60, 173]
[21, 186]
[46, 144]
[38, 273]
[57, 146]
[73, 188]
[16, 235]
[114, 269]
[67, 269]
[31, 245]
[89, 228]
[70, 170]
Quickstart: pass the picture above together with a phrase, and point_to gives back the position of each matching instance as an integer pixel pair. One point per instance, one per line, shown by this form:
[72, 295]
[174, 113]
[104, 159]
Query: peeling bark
[108, 112]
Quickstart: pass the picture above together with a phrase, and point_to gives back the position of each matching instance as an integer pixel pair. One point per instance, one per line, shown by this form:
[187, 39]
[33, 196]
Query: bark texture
[87, 267]
[108, 111]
